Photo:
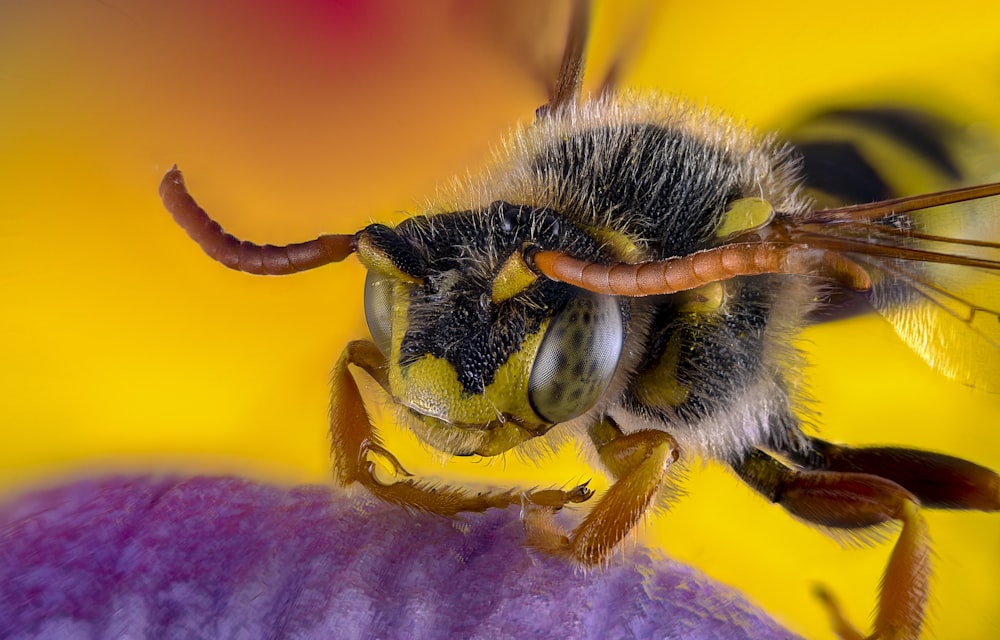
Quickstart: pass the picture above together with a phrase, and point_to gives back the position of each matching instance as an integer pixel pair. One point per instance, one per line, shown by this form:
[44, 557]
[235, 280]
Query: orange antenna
[689, 272]
[883, 208]
[239, 254]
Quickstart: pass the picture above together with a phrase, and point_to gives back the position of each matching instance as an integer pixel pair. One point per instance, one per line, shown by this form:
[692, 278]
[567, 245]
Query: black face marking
[451, 315]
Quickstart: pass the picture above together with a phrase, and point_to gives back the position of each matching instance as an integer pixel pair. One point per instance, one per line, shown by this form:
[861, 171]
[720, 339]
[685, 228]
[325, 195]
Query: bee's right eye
[577, 358]
[379, 310]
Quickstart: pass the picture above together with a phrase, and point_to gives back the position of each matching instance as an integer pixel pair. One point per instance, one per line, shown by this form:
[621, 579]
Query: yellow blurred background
[125, 349]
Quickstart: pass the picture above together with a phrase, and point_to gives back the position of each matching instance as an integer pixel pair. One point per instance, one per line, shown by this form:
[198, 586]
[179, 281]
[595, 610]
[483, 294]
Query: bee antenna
[239, 254]
[683, 273]
[883, 208]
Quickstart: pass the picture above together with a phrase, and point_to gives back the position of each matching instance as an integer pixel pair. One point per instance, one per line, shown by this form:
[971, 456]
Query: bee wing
[935, 278]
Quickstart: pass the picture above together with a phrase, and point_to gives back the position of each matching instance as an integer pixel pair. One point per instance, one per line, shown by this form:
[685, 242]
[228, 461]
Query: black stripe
[920, 132]
[839, 169]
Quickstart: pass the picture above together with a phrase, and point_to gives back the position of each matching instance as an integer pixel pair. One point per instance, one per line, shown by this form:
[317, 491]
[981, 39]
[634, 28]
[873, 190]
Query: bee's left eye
[378, 310]
[577, 358]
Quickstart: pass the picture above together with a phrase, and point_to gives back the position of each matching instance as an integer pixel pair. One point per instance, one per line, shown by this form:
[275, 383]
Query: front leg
[354, 441]
[639, 463]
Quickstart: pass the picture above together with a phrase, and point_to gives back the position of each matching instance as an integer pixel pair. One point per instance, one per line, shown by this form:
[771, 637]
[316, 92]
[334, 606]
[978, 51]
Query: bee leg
[354, 442]
[555, 499]
[849, 500]
[841, 625]
[639, 463]
[939, 481]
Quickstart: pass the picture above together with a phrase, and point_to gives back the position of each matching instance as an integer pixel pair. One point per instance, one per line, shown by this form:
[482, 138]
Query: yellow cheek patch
[514, 277]
[745, 214]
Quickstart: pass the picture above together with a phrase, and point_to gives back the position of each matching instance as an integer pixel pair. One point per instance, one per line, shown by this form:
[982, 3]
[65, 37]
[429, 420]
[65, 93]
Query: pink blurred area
[289, 119]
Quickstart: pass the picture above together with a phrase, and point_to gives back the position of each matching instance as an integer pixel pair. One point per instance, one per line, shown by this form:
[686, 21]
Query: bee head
[473, 339]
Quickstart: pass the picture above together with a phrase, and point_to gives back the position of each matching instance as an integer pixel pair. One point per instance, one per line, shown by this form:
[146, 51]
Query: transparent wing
[948, 313]
[936, 279]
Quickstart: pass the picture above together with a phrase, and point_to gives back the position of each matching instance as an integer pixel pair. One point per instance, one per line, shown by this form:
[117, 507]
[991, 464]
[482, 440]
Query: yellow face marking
[430, 385]
[745, 214]
[514, 277]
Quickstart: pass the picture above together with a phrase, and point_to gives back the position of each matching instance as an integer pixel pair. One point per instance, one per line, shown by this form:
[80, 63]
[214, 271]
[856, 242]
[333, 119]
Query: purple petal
[228, 558]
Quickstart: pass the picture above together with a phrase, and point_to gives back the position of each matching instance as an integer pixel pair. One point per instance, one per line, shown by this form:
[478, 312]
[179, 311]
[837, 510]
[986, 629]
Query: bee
[633, 270]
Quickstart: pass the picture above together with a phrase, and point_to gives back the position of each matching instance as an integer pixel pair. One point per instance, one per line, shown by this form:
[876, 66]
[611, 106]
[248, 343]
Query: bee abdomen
[866, 154]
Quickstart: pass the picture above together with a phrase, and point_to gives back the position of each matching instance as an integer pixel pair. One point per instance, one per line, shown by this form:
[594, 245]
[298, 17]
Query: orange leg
[850, 500]
[354, 442]
[639, 462]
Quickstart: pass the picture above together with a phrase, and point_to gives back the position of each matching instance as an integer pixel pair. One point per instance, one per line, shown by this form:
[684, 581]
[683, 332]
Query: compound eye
[577, 358]
[379, 311]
